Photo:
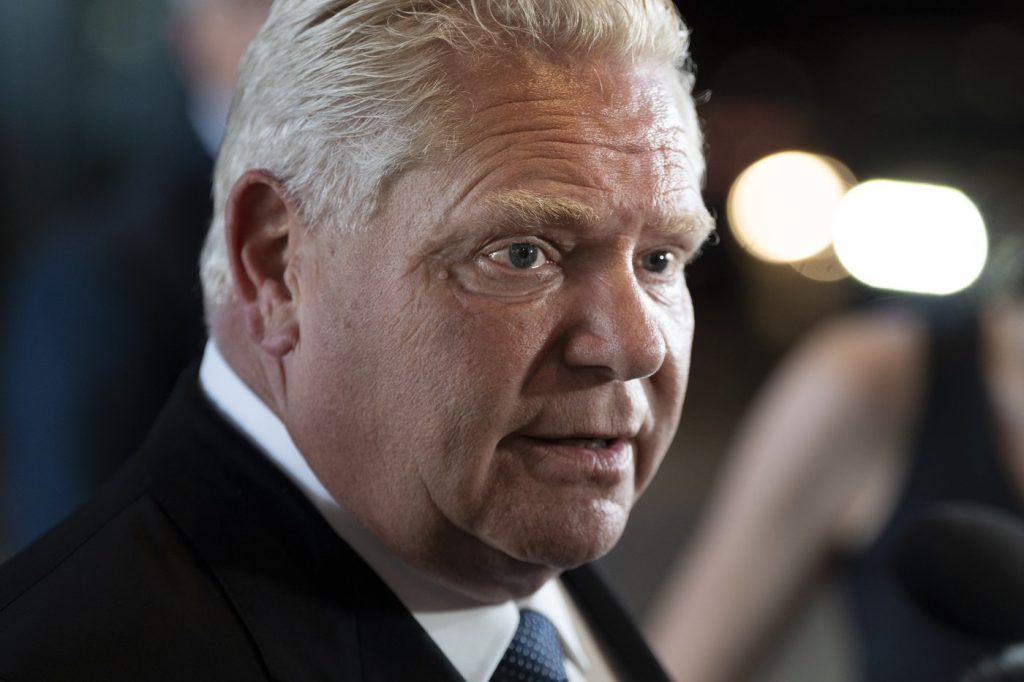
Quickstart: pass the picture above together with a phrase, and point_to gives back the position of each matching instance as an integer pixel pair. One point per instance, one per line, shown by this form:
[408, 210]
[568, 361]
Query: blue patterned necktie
[534, 654]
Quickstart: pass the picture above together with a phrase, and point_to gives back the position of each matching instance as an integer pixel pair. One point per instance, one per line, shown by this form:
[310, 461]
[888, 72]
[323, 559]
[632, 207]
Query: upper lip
[604, 418]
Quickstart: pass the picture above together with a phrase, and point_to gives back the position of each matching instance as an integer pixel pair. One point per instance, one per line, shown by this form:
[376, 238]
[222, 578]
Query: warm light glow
[910, 237]
[781, 208]
[822, 267]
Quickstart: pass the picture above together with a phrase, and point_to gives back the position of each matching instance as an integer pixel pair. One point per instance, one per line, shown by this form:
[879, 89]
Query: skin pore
[489, 374]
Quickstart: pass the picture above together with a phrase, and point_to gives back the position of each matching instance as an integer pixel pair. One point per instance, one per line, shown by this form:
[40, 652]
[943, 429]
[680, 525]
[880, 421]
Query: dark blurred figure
[880, 414]
[104, 314]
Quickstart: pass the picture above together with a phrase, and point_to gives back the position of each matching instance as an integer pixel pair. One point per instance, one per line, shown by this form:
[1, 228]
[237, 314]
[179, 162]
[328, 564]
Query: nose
[617, 331]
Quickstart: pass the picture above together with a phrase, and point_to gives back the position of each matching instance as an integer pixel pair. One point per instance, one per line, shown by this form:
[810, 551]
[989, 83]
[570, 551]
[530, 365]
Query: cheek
[480, 361]
[680, 347]
[666, 391]
[494, 342]
[453, 372]
[677, 325]
[682, 324]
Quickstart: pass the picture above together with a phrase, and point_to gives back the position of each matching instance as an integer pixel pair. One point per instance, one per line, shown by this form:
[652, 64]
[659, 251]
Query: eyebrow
[529, 208]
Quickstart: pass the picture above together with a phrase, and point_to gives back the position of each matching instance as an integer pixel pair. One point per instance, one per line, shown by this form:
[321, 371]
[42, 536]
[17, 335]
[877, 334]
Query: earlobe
[262, 226]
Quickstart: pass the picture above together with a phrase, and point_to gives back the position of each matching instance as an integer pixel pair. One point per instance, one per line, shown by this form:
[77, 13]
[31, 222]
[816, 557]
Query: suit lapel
[314, 609]
[613, 628]
[385, 661]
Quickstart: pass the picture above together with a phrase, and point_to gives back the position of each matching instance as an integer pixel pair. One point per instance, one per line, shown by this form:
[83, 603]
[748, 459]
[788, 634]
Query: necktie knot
[535, 655]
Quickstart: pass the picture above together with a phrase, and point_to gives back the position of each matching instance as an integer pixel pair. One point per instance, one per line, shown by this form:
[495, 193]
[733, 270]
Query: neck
[263, 373]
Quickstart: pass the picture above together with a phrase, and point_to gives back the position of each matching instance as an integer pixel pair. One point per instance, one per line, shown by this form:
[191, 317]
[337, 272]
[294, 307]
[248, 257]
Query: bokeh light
[781, 208]
[910, 237]
[822, 267]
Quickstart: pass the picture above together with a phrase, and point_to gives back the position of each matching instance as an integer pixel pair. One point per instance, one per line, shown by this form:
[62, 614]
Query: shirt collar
[472, 637]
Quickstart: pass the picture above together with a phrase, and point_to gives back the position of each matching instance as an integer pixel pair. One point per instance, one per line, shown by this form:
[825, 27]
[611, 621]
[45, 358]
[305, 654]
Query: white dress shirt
[473, 638]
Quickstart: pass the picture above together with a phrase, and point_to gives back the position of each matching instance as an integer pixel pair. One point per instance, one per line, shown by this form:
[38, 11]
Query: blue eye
[523, 256]
[520, 256]
[658, 261]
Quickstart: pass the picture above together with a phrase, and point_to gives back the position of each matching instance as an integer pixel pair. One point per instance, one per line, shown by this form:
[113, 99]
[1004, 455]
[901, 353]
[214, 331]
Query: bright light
[910, 237]
[781, 208]
[822, 267]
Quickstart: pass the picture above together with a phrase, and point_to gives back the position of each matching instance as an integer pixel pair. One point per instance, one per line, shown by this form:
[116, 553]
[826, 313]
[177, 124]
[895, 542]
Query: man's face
[490, 374]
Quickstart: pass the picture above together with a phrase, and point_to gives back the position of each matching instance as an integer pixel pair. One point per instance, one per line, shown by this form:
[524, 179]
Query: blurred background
[88, 89]
[929, 92]
[823, 120]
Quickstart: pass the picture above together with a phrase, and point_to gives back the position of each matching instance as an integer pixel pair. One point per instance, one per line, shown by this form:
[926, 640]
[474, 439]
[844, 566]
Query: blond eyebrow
[528, 208]
[700, 224]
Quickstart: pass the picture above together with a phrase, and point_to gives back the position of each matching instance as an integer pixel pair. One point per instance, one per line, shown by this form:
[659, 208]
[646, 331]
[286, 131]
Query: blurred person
[103, 313]
[875, 417]
[450, 334]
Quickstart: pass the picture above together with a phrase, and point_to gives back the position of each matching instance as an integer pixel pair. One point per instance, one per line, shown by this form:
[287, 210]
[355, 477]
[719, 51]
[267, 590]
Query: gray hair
[336, 96]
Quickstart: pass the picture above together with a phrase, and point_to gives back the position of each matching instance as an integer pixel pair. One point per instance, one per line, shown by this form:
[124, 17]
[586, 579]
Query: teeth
[590, 443]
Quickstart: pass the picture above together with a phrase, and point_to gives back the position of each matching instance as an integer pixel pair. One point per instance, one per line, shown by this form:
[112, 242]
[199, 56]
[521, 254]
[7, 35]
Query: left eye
[658, 261]
[521, 256]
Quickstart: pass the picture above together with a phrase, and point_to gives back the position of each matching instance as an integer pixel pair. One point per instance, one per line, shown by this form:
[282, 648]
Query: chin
[521, 553]
[565, 541]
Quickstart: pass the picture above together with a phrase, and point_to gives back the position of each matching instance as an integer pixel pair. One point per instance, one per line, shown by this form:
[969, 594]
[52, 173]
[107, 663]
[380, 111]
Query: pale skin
[815, 472]
[489, 373]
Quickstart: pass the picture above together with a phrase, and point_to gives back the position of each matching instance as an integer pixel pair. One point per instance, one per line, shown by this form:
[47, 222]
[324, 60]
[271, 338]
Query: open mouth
[605, 460]
[588, 443]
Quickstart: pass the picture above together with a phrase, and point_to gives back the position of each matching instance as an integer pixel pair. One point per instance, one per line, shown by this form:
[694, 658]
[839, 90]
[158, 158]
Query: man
[445, 291]
[104, 313]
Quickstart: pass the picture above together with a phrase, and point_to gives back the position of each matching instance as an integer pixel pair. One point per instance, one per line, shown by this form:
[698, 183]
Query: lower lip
[608, 464]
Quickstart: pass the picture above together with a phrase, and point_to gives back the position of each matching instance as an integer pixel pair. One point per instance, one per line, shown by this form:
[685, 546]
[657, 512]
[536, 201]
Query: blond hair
[335, 96]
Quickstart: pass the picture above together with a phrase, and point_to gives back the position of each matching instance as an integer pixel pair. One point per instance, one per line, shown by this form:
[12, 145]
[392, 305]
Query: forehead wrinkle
[506, 112]
[484, 175]
[507, 140]
[561, 128]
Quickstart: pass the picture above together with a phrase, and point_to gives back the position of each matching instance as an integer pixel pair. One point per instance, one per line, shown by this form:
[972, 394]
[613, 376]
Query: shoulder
[116, 593]
[876, 362]
[866, 366]
[871, 346]
[856, 366]
[828, 423]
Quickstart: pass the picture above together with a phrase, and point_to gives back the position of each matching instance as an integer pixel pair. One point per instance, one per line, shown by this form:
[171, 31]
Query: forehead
[610, 138]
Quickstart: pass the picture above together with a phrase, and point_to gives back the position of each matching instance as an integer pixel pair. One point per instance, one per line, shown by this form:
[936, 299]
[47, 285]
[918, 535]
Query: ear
[263, 226]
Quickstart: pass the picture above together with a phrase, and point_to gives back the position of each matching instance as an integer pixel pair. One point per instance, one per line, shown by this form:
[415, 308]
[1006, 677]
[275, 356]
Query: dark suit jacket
[201, 561]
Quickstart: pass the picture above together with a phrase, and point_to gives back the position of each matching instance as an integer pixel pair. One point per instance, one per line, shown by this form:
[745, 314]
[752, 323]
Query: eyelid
[686, 252]
[678, 252]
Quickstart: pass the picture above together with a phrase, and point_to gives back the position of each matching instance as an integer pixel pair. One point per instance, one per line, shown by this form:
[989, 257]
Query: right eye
[520, 256]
